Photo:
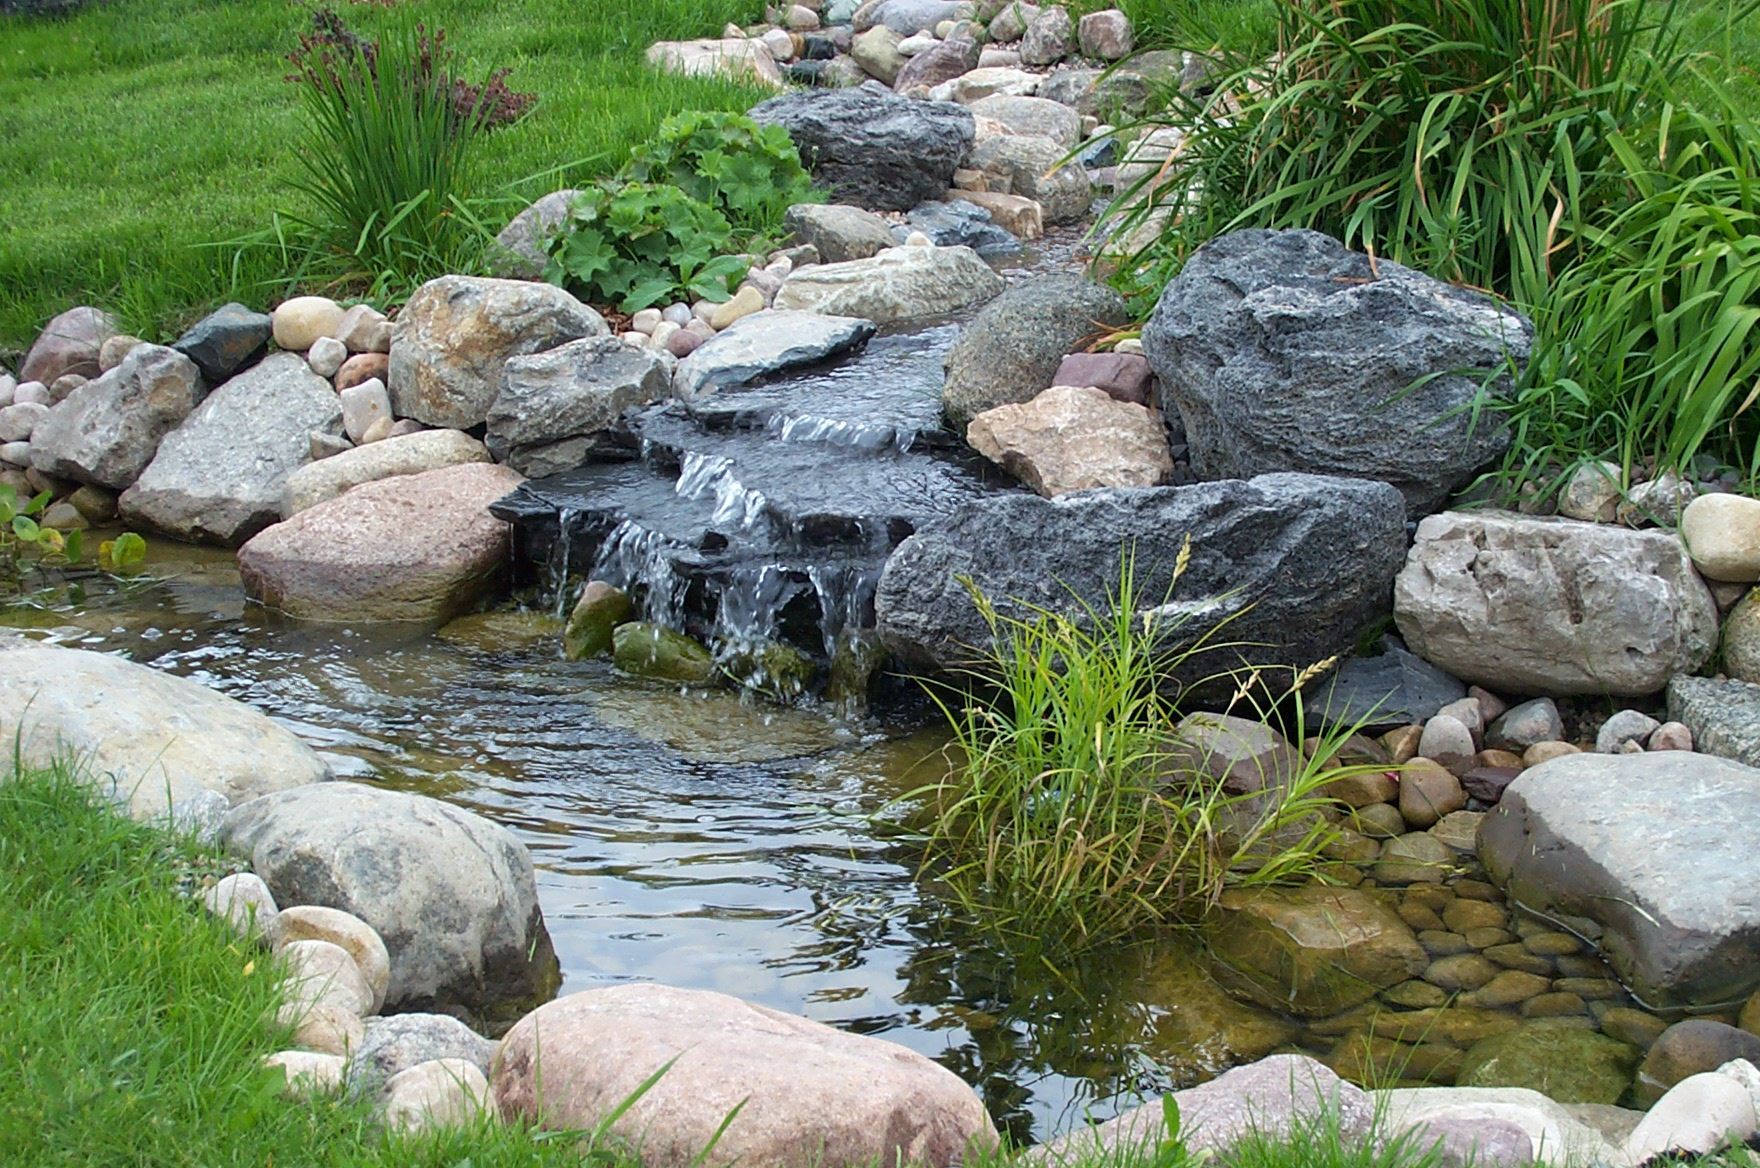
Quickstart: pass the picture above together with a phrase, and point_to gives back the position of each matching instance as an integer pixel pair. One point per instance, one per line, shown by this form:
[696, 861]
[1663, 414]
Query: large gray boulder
[1522, 604]
[1638, 850]
[452, 894]
[456, 334]
[804, 1092]
[1008, 352]
[555, 406]
[154, 743]
[218, 477]
[766, 343]
[1285, 569]
[874, 149]
[107, 431]
[1284, 350]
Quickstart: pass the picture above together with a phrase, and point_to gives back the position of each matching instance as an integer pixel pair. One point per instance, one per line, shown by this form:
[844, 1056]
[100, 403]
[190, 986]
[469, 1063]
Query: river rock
[878, 151]
[312, 922]
[903, 283]
[1557, 1136]
[107, 431]
[455, 337]
[987, 80]
[595, 617]
[1115, 92]
[408, 454]
[229, 339]
[767, 343]
[439, 1093]
[300, 322]
[1009, 351]
[1525, 725]
[1555, 1058]
[322, 973]
[1240, 754]
[323, 1027]
[1699, 1115]
[389, 1046]
[243, 901]
[877, 52]
[1032, 116]
[1034, 167]
[806, 1092]
[1271, 1098]
[306, 1072]
[69, 343]
[1722, 717]
[1528, 604]
[419, 546]
[1623, 727]
[1011, 21]
[1049, 37]
[1416, 857]
[523, 246]
[218, 477]
[1074, 439]
[730, 58]
[908, 17]
[451, 894]
[1692, 1047]
[1297, 564]
[1636, 844]
[1284, 350]
[1312, 951]
[1106, 35]
[1722, 534]
[554, 407]
[937, 64]
[839, 231]
[149, 740]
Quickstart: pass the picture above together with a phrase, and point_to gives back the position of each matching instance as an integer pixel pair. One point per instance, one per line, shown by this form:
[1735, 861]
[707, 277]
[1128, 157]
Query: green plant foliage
[1653, 338]
[31, 554]
[1065, 816]
[386, 159]
[638, 244]
[750, 173]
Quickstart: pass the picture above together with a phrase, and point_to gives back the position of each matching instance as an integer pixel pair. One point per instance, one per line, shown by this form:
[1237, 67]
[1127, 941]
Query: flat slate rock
[1642, 848]
[764, 344]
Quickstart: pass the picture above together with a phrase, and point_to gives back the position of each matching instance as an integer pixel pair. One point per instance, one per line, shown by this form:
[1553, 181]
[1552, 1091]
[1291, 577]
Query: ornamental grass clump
[1067, 815]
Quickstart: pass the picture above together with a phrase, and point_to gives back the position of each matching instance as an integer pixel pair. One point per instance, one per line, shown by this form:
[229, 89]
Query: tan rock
[411, 547]
[744, 302]
[1074, 439]
[364, 329]
[362, 368]
[1544, 751]
[323, 973]
[446, 1092]
[300, 322]
[312, 922]
[323, 1027]
[327, 478]
[243, 901]
[807, 1093]
[1427, 792]
[307, 1072]
[731, 57]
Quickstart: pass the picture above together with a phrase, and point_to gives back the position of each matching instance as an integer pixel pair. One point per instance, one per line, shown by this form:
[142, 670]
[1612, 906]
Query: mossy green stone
[596, 616]
[1312, 951]
[648, 650]
[500, 631]
[1563, 1062]
[857, 654]
[774, 668]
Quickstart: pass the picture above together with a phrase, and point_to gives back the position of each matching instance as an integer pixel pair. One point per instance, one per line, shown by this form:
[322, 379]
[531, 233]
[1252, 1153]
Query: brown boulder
[70, 343]
[805, 1093]
[1073, 438]
[412, 547]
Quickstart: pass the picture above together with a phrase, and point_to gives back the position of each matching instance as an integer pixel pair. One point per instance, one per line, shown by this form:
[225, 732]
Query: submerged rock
[1639, 845]
[595, 617]
[1313, 951]
[1286, 351]
[1289, 567]
[149, 741]
[452, 895]
[410, 547]
[1554, 1057]
[875, 150]
[649, 650]
[1520, 604]
[806, 1093]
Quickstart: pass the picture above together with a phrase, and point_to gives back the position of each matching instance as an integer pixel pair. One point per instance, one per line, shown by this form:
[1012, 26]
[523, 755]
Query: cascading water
[762, 515]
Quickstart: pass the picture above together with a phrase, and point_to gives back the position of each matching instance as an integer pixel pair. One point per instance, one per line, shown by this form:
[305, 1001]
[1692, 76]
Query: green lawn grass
[137, 134]
[133, 1025]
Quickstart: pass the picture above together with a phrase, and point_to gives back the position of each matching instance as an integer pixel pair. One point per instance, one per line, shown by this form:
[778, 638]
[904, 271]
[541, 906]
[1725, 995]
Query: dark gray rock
[107, 431]
[401, 1041]
[1289, 568]
[218, 477]
[872, 148]
[1640, 847]
[958, 224]
[1396, 688]
[555, 406]
[226, 341]
[1724, 716]
[1285, 351]
[945, 61]
[452, 894]
[764, 343]
[1008, 353]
